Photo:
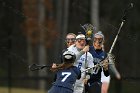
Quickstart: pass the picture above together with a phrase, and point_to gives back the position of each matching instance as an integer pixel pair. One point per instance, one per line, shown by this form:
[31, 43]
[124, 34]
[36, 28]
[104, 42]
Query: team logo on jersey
[103, 57]
[83, 59]
[96, 60]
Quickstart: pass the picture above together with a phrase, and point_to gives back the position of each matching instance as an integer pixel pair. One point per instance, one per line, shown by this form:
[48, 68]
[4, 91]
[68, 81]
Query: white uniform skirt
[104, 78]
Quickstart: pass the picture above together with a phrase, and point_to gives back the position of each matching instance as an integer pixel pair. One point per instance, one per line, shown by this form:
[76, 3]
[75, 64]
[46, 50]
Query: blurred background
[33, 31]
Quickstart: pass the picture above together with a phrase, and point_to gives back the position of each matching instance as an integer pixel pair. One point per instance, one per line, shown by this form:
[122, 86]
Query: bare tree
[62, 24]
[42, 49]
[95, 13]
[65, 19]
[31, 31]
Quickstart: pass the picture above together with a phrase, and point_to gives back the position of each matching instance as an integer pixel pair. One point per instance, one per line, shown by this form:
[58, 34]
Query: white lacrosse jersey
[82, 63]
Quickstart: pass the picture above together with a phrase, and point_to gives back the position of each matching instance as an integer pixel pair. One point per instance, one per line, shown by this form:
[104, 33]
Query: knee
[104, 90]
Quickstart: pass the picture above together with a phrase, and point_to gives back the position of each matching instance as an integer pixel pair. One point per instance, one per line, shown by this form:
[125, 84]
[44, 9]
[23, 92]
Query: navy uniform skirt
[59, 89]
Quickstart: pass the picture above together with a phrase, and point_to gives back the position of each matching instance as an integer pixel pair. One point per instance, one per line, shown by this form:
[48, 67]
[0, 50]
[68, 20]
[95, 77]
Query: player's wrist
[82, 52]
[87, 77]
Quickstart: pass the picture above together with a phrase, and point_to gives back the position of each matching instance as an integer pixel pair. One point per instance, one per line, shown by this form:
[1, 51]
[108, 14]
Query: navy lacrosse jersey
[98, 56]
[66, 79]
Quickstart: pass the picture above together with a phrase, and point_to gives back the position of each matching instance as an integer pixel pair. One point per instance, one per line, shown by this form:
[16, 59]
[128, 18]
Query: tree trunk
[59, 18]
[95, 13]
[31, 27]
[65, 20]
[42, 49]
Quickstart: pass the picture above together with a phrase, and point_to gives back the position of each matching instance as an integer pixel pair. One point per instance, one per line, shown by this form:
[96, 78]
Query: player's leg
[78, 88]
[95, 87]
[105, 86]
[105, 83]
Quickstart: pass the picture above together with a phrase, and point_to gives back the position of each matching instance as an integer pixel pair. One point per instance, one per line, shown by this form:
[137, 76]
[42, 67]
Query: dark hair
[62, 66]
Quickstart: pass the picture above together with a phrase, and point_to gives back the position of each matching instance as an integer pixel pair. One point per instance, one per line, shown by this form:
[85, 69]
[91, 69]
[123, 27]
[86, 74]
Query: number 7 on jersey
[66, 75]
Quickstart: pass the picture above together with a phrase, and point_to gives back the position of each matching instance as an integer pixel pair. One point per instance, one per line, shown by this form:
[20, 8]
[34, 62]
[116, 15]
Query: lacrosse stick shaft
[112, 68]
[95, 66]
[114, 42]
[130, 6]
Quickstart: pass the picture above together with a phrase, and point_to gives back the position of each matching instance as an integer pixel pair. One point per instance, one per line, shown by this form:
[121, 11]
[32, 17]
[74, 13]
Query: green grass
[20, 90]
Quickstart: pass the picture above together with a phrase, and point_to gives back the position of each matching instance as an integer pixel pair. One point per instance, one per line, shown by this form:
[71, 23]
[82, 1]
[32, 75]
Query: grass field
[20, 90]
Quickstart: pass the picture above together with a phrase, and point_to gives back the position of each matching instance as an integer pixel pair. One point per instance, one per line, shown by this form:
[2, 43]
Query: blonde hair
[71, 34]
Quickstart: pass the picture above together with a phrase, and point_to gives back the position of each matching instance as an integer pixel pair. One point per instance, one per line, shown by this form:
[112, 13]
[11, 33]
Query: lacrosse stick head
[112, 68]
[34, 67]
[88, 28]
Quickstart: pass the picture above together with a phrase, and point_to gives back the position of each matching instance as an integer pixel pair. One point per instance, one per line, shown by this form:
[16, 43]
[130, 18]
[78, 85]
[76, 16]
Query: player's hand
[54, 65]
[53, 68]
[86, 48]
[85, 81]
[105, 64]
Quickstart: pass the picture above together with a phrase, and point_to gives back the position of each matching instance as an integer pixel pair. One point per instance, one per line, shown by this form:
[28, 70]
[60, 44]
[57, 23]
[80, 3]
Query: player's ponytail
[62, 66]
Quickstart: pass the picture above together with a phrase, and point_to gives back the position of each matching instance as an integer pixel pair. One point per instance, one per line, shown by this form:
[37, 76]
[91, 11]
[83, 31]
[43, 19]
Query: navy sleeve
[79, 76]
[78, 72]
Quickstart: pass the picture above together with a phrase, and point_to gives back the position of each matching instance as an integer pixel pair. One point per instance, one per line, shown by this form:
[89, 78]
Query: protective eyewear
[80, 40]
[100, 40]
[70, 40]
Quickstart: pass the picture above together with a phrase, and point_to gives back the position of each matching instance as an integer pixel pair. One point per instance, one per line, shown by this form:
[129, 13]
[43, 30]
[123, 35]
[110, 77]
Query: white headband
[81, 36]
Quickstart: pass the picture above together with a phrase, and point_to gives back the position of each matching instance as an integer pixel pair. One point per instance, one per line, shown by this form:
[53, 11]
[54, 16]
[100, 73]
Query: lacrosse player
[83, 60]
[94, 83]
[66, 74]
[70, 39]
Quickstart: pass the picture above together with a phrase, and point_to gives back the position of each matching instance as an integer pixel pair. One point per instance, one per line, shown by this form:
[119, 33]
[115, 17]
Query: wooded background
[33, 31]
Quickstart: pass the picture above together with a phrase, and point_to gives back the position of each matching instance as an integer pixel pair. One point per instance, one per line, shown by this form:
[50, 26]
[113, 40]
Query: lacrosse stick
[35, 67]
[112, 68]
